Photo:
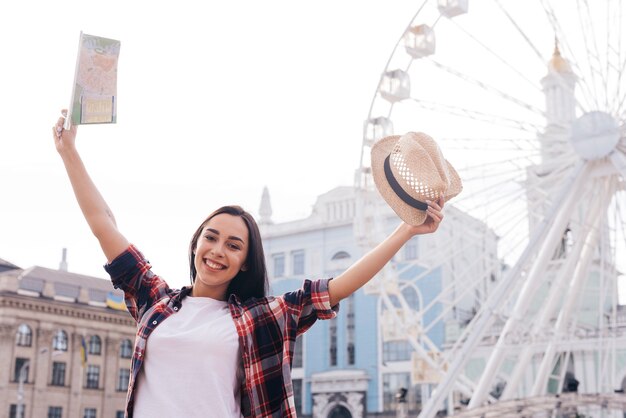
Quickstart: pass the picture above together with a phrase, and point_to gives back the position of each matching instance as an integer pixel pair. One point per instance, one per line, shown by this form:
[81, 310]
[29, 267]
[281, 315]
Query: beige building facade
[46, 318]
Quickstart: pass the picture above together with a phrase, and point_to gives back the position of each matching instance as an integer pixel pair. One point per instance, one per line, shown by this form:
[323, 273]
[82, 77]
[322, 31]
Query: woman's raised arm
[94, 208]
[371, 263]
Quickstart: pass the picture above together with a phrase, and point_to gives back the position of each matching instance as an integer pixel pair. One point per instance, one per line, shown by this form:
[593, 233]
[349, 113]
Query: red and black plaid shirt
[267, 330]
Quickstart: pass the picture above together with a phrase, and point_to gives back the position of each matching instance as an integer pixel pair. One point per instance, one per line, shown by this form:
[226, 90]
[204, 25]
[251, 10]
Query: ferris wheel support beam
[619, 161]
[557, 289]
[535, 275]
[475, 331]
[573, 293]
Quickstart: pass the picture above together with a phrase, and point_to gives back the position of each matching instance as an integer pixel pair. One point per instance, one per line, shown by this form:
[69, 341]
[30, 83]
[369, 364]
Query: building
[352, 366]
[48, 318]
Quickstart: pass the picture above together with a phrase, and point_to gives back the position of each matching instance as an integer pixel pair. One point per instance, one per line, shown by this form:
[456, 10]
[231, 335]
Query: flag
[115, 301]
[83, 351]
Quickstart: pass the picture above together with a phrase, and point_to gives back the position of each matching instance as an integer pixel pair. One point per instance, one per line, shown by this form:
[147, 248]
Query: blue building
[347, 367]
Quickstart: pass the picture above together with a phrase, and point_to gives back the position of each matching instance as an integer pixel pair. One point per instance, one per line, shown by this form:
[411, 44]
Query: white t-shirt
[192, 364]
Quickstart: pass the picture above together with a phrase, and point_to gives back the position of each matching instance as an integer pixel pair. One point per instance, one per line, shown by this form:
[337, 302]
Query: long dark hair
[253, 282]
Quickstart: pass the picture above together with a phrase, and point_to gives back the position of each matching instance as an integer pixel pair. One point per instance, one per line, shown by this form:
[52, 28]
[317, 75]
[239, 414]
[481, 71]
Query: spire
[265, 210]
[63, 263]
[557, 62]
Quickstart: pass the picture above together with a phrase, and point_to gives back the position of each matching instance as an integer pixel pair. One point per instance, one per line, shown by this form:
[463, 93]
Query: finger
[64, 113]
[434, 214]
[55, 133]
[433, 205]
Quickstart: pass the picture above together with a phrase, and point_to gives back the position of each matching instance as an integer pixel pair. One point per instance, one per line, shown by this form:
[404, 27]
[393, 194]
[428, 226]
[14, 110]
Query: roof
[5, 265]
[65, 285]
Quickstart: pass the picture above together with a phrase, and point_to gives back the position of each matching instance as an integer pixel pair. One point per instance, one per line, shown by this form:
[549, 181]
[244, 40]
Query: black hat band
[399, 191]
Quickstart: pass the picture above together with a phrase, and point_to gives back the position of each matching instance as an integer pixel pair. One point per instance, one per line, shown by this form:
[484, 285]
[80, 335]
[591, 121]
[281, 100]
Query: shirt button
[154, 322]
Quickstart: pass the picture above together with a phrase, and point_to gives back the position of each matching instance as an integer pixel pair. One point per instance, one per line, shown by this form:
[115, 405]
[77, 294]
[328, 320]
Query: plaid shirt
[267, 329]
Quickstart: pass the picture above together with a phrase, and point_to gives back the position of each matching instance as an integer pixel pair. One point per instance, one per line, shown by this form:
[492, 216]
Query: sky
[216, 100]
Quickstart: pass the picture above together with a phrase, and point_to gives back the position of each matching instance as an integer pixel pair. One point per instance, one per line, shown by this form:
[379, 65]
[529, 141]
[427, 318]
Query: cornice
[65, 309]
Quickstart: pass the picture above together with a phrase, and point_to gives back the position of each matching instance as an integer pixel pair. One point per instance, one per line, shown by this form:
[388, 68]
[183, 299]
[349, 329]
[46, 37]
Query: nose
[217, 250]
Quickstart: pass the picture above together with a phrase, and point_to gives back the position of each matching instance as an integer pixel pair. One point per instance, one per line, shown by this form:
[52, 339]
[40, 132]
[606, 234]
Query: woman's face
[220, 254]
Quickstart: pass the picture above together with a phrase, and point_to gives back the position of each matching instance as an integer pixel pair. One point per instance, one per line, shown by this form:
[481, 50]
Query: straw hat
[410, 169]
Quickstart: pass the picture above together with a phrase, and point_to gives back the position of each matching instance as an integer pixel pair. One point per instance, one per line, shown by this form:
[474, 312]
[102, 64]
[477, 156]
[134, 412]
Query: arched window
[340, 411]
[59, 341]
[95, 345]
[126, 349]
[341, 255]
[24, 336]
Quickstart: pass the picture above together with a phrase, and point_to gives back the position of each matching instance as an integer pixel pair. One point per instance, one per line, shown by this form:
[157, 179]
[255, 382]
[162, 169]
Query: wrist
[406, 231]
[68, 154]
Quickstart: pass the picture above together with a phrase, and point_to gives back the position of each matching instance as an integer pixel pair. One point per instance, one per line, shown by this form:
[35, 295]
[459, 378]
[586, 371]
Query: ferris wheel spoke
[619, 67]
[593, 59]
[497, 56]
[502, 165]
[497, 144]
[478, 116]
[500, 145]
[487, 87]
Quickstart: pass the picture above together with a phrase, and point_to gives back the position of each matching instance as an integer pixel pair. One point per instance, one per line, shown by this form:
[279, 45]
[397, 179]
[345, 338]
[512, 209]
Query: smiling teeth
[214, 265]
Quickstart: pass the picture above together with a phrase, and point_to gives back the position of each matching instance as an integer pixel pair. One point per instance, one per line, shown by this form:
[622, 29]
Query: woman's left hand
[433, 219]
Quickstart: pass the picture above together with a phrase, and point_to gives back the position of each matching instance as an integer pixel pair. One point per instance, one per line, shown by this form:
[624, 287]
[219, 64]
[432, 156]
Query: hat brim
[409, 214]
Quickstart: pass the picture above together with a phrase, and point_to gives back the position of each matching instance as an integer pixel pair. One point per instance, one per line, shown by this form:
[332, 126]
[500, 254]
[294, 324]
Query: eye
[234, 246]
[209, 237]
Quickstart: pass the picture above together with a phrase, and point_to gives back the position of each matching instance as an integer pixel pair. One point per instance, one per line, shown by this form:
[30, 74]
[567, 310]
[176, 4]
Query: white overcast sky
[216, 101]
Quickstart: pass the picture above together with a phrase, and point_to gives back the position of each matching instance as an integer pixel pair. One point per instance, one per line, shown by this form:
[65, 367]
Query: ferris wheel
[528, 101]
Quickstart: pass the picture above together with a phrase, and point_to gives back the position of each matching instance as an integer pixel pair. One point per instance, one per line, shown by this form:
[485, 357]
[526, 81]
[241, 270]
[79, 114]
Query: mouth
[213, 265]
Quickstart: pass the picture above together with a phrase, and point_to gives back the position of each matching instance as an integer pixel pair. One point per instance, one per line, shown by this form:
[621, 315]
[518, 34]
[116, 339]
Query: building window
[95, 345]
[392, 383]
[24, 336]
[58, 374]
[410, 249]
[122, 381]
[332, 324]
[297, 352]
[126, 349]
[397, 351]
[17, 411]
[59, 341]
[341, 255]
[297, 258]
[55, 412]
[279, 265]
[297, 395]
[119, 414]
[93, 377]
[22, 366]
[90, 413]
[350, 330]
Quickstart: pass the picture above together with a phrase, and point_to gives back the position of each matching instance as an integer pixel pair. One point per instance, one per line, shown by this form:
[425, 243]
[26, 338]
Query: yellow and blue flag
[83, 351]
[115, 301]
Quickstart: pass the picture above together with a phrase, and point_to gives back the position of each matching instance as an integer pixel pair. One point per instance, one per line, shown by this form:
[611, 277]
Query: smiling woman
[236, 342]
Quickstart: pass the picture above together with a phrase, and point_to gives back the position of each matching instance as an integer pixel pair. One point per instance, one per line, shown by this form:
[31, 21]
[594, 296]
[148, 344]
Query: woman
[219, 347]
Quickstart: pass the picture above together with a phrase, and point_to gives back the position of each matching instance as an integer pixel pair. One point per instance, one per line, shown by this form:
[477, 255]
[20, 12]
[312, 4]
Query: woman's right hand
[64, 139]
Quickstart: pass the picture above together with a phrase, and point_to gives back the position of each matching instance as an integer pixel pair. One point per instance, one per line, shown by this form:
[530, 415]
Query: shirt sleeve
[312, 302]
[131, 272]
